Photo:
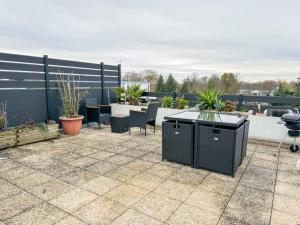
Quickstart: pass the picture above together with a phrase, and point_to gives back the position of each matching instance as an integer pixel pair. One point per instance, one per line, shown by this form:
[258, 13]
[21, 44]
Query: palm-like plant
[120, 93]
[134, 92]
[209, 99]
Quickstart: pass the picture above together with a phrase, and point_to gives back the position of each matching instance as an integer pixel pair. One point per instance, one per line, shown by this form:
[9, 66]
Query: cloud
[259, 39]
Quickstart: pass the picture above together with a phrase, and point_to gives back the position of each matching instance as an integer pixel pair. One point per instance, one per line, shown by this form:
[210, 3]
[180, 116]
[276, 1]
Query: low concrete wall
[266, 128]
[261, 127]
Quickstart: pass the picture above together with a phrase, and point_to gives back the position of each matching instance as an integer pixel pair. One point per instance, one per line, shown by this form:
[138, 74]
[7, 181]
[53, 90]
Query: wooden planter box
[11, 138]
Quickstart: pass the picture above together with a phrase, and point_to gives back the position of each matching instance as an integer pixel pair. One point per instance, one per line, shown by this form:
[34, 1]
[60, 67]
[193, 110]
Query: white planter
[266, 128]
[124, 110]
[162, 112]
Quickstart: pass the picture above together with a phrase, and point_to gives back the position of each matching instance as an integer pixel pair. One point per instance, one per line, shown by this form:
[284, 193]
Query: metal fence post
[240, 104]
[174, 97]
[102, 82]
[47, 86]
[119, 74]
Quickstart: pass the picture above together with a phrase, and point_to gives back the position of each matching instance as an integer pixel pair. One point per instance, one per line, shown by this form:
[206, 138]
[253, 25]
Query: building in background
[144, 84]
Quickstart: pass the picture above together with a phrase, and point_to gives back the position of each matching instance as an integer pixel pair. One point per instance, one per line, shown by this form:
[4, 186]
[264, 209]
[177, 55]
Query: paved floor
[99, 177]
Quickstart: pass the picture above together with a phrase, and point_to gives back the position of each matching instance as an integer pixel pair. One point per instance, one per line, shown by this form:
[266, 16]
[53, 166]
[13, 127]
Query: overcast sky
[258, 39]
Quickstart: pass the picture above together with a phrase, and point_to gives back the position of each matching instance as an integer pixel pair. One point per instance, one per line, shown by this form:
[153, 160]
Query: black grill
[291, 120]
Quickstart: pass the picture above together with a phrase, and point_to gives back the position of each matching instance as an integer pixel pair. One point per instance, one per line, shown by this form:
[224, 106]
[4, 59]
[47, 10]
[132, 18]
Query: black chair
[142, 118]
[97, 113]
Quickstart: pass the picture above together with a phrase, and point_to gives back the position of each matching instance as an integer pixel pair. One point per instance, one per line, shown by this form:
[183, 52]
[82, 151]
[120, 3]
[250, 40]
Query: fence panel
[240, 99]
[29, 85]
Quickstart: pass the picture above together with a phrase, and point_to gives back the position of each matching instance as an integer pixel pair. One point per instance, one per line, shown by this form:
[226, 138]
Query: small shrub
[167, 101]
[181, 102]
[229, 106]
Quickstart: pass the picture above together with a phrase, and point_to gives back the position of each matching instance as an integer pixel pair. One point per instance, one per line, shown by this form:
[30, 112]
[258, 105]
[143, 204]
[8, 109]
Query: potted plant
[229, 106]
[120, 94]
[134, 93]
[181, 103]
[209, 99]
[70, 98]
[167, 101]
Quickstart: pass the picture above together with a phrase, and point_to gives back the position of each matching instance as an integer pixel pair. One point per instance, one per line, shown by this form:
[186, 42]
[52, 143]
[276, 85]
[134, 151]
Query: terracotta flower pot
[71, 125]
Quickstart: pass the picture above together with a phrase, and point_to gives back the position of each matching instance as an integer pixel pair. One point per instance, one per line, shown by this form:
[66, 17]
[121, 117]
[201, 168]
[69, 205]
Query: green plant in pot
[70, 96]
[229, 106]
[134, 92]
[167, 101]
[209, 99]
[181, 102]
[120, 93]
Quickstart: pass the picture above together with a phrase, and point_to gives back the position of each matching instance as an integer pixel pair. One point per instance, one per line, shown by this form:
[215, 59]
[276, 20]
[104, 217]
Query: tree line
[227, 83]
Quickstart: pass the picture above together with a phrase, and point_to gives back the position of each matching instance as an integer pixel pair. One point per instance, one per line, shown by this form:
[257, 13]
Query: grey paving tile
[50, 189]
[132, 217]
[189, 215]
[102, 167]
[79, 177]
[126, 194]
[102, 211]
[16, 204]
[260, 178]
[70, 220]
[43, 214]
[208, 201]
[73, 199]
[7, 189]
[218, 186]
[250, 206]
[157, 206]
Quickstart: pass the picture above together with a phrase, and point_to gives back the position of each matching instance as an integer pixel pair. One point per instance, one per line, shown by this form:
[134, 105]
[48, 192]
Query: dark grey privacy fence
[28, 84]
[240, 99]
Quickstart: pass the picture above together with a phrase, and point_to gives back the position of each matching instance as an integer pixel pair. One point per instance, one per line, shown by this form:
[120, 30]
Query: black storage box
[219, 148]
[178, 142]
[119, 123]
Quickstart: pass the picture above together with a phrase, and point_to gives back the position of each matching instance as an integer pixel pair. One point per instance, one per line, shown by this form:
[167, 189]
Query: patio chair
[142, 118]
[97, 113]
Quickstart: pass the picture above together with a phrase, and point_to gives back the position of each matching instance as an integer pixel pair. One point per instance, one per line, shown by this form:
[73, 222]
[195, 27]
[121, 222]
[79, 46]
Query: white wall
[261, 127]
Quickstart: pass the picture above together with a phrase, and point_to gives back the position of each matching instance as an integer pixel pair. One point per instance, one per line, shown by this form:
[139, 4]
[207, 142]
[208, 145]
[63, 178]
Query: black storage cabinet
[219, 148]
[245, 138]
[178, 142]
[119, 124]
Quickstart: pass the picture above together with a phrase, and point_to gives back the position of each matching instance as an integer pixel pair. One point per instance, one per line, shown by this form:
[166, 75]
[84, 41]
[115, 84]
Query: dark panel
[111, 79]
[80, 77]
[61, 62]
[272, 99]
[21, 67]
[111, 73]
[21, 75]
[22, 84]
[28, 103]
[81, 84]
[57, 69]
[21, 58]
[110, 85]
[230, 97]
[110, 67]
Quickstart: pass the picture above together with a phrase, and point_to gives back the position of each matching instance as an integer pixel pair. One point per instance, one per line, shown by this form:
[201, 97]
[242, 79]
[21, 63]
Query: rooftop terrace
[99, 177]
